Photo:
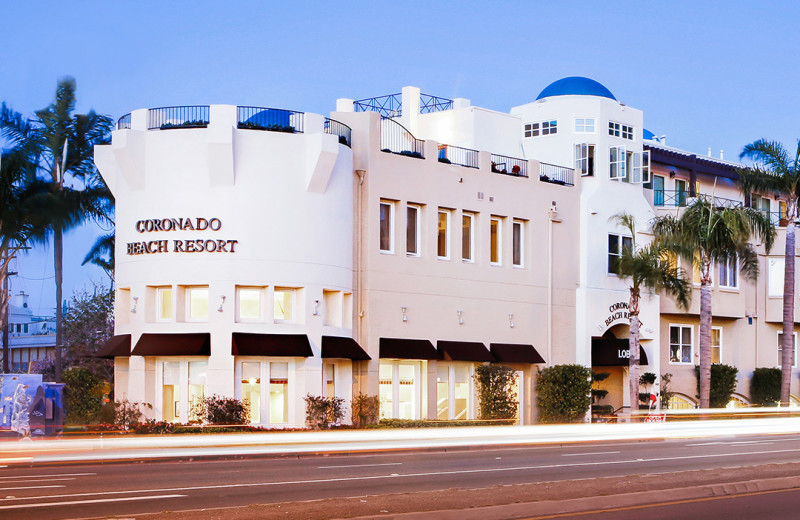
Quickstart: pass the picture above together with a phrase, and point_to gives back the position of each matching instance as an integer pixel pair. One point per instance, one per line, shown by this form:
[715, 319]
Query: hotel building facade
[390, 248]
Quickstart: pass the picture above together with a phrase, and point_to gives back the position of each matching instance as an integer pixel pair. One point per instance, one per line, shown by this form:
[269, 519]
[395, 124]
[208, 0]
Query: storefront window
[251, 390]
[171, 391]
[197, 386]
[279, 392]
[386, 390]
[461, 392]
[407, 397]
[442, 392]
[329, 381]
[399, 390]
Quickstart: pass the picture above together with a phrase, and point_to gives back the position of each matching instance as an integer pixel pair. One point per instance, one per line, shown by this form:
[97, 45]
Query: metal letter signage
[197, 245]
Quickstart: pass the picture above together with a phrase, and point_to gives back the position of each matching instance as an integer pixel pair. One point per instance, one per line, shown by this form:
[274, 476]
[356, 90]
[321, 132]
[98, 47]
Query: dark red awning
[515, 353]
[400, 348]
[344, 348]
[281, 345]
[186, 344]
[464, 351]
[116, 346]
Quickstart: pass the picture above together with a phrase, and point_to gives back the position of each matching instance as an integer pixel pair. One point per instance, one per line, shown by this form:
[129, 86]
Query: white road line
[97, 501]
[407, 475]
[363, 465]
[35, 480]
[731, 443]
[30, 487]
[588, 453]
[55, 475]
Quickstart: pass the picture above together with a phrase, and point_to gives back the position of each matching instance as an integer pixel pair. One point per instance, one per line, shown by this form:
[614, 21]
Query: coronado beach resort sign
[195, 245]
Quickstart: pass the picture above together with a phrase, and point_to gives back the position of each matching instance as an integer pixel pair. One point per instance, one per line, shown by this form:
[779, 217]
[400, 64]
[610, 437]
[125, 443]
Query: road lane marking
[731, 443]
[54, 475]
[97, 501]
[588, 453]
[34, 480]
[407, 475]
[30, 487]
[363, 465]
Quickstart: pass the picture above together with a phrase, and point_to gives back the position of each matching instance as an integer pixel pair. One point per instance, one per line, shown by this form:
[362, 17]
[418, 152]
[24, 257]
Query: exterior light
[221, 303]
[403, 310]
[316, 306]
[460, 319]
[511, 320]
[135, 304]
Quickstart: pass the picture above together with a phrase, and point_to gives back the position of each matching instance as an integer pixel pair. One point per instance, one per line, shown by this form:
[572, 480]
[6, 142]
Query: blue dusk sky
[706, 74]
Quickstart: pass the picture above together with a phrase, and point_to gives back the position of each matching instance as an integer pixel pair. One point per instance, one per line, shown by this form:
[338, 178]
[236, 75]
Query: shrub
[321, 412]
[495, 387]
[723, 383]
[365, 410]
[563, 393]
[217, 409]
[153, 427]
[128, 415]
[648, 378]
[765, 387]
[83, 395]
[666, 393]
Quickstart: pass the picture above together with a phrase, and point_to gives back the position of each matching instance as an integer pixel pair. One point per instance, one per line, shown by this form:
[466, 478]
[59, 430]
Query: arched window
[680, 402]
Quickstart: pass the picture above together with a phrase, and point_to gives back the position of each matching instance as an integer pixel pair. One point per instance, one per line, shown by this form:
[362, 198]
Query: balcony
[269, 119]
[680, 198]
[466, 157]
[124, 122]
[555, 174]
[509, 165]
[395, 138]
[344, 132]
[165, 118]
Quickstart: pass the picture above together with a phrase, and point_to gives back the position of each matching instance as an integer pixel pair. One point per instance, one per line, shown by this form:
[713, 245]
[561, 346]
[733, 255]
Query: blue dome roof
[647, 134]
[575, 86]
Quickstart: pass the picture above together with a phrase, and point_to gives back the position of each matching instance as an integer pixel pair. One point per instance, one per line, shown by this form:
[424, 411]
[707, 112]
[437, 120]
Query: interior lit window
[164, 303]
[197, 302]
[251, 390]
[283, 308]
[278, 392]
[249, 300]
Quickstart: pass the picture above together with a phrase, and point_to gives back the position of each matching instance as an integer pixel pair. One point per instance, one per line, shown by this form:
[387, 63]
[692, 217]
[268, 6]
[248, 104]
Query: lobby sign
[194, 245]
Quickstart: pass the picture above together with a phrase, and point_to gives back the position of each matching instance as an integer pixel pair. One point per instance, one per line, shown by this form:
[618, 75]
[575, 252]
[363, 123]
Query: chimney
[722, 154]
[21, 300]
[709, 151]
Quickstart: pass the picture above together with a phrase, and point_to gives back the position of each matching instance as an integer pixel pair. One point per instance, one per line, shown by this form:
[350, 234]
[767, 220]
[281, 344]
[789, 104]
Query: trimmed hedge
[723, 383]
[765, 387]
[563, 393]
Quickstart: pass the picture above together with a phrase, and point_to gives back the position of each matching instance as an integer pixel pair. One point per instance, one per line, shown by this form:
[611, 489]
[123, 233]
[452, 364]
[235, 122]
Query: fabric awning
[613, 352]
[116, 346]
[400, 348]
[343, 347]
[188, 344]
[282, 345]
[464, 351]
[515, 353]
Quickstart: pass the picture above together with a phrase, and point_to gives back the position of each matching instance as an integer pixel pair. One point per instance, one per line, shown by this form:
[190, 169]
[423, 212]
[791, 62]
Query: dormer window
[620, 130]
[541, 128]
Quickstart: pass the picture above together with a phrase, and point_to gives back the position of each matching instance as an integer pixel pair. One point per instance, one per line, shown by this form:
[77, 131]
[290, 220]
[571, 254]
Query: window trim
[621, 162]
[188, 291]
[389, 205]
[769, 276]
[260, 291]
[721, 343]
[417, 231]
[472, 219]
[621, 130]
[293, 311]
[618, 254]
[446, 213]
[521, 224]
[691, 344]
[499, 236]
[538, 129]
[585, 119]
[728, 273]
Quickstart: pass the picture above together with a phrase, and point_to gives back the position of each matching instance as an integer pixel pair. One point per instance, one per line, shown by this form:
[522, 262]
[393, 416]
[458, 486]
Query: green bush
[495, 387]
[723, 383]
[648, 378]
[83, 395]
[217, 409]
[365, 410]
[765, 387]
[564, 393]
[321, 412]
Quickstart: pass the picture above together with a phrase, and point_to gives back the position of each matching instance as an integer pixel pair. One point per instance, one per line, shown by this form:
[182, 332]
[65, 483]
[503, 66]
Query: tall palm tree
[61, 145]
[102, 255]
[649, 268]
[704, 234]
[777, 172]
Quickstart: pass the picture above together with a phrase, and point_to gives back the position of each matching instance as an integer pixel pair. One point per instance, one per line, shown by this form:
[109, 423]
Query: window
[542, 128]
[716, 344]
[264, 386]
[495, 241]
[249, 303]
[680, 343]
[283, 301]
[775, 271]
[517, 242]
[794, 349]
[584, 159]
[728, 273]
[329, 380]
[251, 390]
[616, 244]
[387, 227]
[763, 204]
[697, 278]
[278, 392]
[182, 374]
[197, 303]
[412, 230]
[399, 389]
[640, 172]
[163, 303]
[467, 236]
[620, 130]
[443, 236]
[584, 125]
[616, 162]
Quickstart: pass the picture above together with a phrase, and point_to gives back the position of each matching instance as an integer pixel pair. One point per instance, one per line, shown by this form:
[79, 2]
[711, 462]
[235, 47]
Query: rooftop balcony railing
[509, 165]
[336, 128]
[165, 118]
[555, 174]
[124, 122]
[680, 198]
[270, 119]
[395, 138]
[391, 105]
[449, 154]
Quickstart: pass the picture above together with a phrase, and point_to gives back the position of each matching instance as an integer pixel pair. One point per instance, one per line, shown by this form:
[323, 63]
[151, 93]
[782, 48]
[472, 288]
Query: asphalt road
[61, 491]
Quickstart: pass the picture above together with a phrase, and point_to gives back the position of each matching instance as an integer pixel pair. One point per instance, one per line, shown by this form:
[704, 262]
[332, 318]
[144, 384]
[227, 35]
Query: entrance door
[680, 192]
[658, 190]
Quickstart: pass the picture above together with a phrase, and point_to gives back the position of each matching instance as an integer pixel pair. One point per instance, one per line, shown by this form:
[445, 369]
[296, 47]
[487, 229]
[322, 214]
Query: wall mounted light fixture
[403, 310]
[221, 303]
[316, 308]
[135, 304]
[511, 320]
[460, 319]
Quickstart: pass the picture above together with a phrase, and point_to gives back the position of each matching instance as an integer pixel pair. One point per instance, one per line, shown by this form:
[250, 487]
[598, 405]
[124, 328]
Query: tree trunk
[4, 312]
[787, 345]
[705, 332]
[633, 344]
[58, 260]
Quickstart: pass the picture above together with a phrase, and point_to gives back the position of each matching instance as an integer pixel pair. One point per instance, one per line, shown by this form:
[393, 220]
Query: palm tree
[704, 234]
[102, 255]
[61, 146]
[778, 172]
[649, 268]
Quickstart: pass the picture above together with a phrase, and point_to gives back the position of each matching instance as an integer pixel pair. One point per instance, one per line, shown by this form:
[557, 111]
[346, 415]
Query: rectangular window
[283, 301]
[762, 203]
[549, 127]
[387, 227]
[794, 349]
[467, 238]
[329, 380]
[332, 315]
[584, 125]
[197, 303]
[584, 159]
[198, 374]
[495, 241]
[716, 344]
[251, 390]
[541, 128]
[680, 343]
[728, 273]
[531, 129]
[616, 244]
[775, 271]
[616, 162]
[164, 303]
[620, 130]
[171, 391]
[613, 129]
[443, 237]
[278, 392]
[517, 239]
[249, 301]
[640, 173]
[412, 230]
[442, 391]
